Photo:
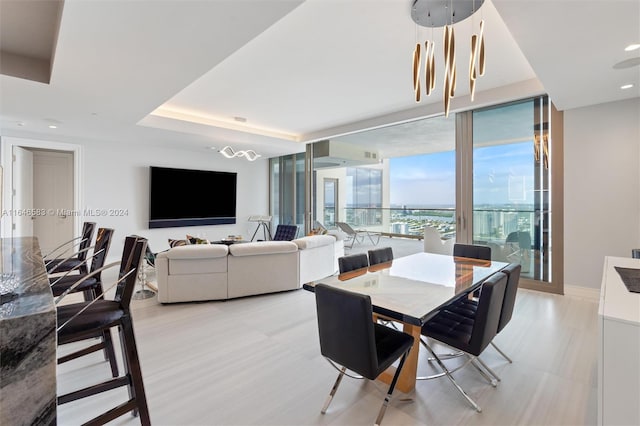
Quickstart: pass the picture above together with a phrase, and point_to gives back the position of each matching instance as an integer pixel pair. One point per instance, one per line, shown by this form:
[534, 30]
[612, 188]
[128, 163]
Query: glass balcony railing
[489, 224]
[409, 222]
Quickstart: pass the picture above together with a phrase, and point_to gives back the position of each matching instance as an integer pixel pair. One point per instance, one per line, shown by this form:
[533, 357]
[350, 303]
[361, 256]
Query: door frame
[464, 192]
[336, 197]
[8, 142]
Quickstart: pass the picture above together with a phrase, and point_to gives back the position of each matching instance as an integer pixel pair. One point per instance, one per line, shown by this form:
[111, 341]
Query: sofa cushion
[198, 251]
[314, 241]
[263, 247]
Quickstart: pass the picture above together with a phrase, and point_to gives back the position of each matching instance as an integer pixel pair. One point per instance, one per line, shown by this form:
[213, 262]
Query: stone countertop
[24, 285]
[27, 335]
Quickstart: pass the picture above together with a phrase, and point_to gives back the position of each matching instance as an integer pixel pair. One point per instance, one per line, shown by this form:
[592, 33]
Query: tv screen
[182, 197]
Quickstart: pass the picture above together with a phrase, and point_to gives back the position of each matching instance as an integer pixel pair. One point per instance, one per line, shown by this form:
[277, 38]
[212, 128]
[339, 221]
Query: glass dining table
[410, 290]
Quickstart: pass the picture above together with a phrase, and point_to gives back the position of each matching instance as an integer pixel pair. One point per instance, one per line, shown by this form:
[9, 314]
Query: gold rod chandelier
[446, 13]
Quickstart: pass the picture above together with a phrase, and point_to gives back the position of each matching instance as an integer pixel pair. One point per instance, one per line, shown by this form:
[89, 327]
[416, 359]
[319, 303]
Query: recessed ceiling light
[20, 123]
[212, 147]
[626, 86]
[631, 47]
[53, 126]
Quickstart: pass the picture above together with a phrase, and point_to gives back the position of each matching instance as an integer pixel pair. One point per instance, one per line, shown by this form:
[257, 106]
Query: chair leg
[442, 356]
[109, 352]
[501, 353]
[457, 386]
[352, 238]
[333, 390]
[492, 380]
[132, 368]
[105, 344]
[387, 398]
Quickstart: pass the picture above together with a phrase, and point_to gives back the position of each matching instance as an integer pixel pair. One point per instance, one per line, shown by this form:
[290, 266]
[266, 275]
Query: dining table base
[407, 379]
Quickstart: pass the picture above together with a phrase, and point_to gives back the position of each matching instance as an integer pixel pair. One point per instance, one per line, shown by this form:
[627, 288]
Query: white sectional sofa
[218, 272]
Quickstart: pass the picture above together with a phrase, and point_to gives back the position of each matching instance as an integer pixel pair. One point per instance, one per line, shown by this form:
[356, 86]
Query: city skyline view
[503, 175]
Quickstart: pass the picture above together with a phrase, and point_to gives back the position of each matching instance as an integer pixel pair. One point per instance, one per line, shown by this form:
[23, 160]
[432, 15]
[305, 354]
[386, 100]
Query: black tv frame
[190, 221]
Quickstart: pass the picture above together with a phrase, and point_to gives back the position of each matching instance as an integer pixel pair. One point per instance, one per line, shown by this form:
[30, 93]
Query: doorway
[41, 191]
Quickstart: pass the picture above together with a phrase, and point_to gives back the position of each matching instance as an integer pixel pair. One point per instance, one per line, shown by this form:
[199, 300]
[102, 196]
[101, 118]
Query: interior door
[22, 205]
[53, 196]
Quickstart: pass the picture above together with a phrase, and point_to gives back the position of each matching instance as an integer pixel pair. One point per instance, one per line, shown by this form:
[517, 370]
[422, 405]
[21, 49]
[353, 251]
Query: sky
[503, 174]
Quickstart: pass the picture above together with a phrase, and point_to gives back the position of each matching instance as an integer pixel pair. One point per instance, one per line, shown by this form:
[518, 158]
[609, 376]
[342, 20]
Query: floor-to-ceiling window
[481, 176]
[330, 200]
[287, 190]
[364, 197]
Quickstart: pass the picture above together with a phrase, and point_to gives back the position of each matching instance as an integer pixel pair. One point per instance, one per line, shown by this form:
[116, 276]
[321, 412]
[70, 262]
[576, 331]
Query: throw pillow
[177, 243]
[195, 240]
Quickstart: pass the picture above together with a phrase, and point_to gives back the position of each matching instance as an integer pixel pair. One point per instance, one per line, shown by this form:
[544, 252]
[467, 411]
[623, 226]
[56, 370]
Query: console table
[619, 347]
[27, 336]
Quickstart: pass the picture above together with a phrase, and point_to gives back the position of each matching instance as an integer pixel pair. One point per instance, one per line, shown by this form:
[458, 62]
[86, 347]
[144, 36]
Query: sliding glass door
[483, 177]
[288, 190]
[507, 201]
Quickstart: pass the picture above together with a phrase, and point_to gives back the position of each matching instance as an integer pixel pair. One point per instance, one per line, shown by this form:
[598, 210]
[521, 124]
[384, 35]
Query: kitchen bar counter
[27, 336]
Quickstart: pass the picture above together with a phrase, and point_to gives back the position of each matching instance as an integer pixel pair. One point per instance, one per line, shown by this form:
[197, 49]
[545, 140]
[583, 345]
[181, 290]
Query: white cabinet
[619, 347]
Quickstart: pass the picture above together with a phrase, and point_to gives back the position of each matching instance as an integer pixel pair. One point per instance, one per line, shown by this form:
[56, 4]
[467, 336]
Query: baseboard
[583, 292]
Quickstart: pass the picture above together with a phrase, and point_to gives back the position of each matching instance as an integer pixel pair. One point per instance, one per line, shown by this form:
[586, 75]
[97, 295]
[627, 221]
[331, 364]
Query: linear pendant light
[446, 13]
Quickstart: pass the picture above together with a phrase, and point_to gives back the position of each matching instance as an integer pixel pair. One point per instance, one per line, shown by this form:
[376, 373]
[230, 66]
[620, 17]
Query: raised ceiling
[179, 72]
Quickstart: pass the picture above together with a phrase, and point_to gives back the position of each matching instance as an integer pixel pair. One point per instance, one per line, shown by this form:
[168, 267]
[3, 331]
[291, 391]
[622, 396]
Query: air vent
[343, 154]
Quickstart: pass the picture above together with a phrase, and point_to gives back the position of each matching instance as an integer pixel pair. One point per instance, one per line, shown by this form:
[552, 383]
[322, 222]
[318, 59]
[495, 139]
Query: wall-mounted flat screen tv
[184, 197]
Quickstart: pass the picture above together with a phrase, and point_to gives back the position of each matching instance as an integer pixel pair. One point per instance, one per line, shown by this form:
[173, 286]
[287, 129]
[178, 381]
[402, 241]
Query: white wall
[116, 176]
[601, 188]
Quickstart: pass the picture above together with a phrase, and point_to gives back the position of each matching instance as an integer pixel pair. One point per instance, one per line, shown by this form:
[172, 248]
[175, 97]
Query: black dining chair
[518, 245]
[75, 261]
[380, 255]
[469, 334]
[351, 262]
[90, 286]
[468, 307]
[472, 251]
[84, 321]
[350, 340]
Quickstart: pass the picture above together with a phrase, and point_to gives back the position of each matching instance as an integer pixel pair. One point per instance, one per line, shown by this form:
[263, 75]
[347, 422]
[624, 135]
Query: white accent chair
[433, 242]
